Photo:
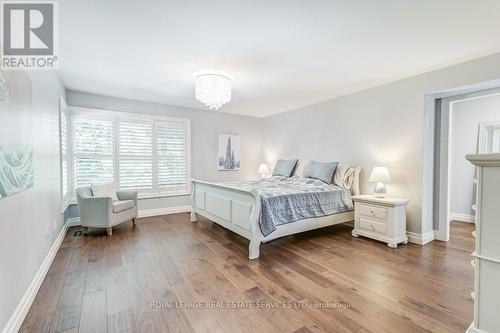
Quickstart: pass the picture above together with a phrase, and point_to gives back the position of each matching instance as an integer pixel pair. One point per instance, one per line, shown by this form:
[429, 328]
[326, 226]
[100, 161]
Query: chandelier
[213, 88]
[4, 88]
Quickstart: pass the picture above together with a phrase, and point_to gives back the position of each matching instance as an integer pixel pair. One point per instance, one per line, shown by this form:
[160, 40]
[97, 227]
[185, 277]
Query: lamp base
[380, 190]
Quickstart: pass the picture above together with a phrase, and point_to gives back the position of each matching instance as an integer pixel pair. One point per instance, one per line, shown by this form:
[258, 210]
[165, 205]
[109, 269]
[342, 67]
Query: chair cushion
[121, 205]
[104, 190]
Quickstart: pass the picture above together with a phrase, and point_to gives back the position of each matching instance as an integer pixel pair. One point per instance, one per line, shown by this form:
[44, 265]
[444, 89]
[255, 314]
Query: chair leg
[133, 222]
[110, 231]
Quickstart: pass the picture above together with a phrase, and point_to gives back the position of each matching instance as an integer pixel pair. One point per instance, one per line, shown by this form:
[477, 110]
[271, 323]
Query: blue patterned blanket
[285, 200]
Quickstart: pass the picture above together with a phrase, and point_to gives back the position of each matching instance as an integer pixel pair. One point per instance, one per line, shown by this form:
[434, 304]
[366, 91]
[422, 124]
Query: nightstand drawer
[372, 225]
[372, 211]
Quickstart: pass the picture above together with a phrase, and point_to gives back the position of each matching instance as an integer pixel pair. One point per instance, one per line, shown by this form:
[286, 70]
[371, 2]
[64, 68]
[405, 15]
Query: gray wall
[379, 126]
[25, 217]
[205, 129]
[466, 116]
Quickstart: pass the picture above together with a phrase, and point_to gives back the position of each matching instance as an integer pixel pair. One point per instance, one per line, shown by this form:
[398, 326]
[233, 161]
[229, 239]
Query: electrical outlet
[47, 234]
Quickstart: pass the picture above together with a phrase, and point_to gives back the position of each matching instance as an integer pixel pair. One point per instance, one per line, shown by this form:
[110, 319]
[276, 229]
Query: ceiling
[283, 54]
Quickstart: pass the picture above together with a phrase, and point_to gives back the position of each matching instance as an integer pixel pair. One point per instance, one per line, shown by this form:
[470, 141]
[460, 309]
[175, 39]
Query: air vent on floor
[77, 233]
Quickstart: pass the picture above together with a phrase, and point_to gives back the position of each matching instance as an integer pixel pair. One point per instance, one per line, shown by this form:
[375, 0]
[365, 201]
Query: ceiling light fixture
[213, 88]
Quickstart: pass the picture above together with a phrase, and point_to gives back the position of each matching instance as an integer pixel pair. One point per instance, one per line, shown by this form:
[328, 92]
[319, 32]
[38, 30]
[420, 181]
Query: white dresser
[487, 253]
[383, 219]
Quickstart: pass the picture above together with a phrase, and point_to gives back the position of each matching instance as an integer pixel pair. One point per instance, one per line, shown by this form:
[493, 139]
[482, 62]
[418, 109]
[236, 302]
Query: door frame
[444, 158]
[487, 133]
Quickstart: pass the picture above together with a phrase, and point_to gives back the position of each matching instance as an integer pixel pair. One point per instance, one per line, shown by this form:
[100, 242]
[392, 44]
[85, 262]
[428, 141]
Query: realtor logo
[29, 35]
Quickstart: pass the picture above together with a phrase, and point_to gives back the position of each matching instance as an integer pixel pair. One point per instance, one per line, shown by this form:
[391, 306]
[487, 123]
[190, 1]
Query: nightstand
[383, 219]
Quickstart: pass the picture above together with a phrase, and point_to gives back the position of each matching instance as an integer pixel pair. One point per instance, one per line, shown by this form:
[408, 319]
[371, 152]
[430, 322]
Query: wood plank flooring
[149, 278]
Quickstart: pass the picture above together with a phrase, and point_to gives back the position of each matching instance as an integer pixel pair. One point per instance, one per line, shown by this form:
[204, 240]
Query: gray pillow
[321, 171]
[284, 167]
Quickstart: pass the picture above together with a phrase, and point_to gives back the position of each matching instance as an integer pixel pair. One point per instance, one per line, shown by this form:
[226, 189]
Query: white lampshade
[213, 88]
[380, 175]
[263, 170]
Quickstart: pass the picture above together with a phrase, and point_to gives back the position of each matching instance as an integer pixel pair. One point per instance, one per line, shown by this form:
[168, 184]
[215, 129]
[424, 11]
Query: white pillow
[344, 176]
[301, 168]
[104, 190]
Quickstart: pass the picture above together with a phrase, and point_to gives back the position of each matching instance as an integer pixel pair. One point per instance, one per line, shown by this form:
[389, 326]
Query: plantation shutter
[64, 155]
[172, 143]
[93, 149]
[136, 154]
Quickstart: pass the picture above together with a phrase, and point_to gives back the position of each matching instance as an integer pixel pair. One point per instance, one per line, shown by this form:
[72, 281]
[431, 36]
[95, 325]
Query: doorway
[465, 124]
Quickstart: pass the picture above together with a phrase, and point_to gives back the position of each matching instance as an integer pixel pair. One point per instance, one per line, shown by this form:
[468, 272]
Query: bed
[272, 208]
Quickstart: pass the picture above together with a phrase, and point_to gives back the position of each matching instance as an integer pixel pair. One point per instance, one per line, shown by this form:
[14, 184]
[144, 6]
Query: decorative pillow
[104, 190]
[344, 176]
[321, 171]
[301, 168]
[284, 167]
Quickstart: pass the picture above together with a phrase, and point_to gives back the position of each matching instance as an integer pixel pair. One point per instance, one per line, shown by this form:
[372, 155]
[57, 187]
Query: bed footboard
[233, 208]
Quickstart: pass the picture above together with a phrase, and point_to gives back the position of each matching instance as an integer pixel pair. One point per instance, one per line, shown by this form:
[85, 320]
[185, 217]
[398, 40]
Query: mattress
[286, 200]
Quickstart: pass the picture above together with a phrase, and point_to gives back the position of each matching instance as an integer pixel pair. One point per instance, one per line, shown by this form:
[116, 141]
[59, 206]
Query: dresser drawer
[374, 226]
[373, 212]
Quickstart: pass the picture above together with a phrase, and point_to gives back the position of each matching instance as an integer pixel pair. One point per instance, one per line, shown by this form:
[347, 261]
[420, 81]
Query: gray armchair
[103, 212]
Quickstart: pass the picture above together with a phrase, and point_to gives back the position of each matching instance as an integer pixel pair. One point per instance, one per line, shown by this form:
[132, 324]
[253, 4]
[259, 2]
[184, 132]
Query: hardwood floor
[131, 281]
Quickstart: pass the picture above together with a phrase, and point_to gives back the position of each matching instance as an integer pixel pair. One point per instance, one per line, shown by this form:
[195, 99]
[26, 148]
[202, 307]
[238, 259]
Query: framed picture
[16, 148]
[229, 152]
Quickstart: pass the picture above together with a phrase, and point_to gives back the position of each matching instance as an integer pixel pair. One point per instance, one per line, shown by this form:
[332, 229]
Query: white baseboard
[164, 211]
[420, 239]
[472, 329]
[462, 217]
[17, 318]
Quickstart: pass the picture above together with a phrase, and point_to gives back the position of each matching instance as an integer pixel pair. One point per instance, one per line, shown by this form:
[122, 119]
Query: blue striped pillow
[284, 167]
[321, 171]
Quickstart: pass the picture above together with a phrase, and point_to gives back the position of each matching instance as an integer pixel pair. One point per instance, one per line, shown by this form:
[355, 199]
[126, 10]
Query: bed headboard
[355, 183]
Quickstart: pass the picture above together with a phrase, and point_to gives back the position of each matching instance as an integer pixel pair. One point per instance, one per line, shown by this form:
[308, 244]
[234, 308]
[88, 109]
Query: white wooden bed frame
[239, 211]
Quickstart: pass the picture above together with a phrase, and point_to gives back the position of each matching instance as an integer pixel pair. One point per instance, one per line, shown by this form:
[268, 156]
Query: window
[146, 153]
[93, 151]
[172, 154]
[136, 155]
[65, 152]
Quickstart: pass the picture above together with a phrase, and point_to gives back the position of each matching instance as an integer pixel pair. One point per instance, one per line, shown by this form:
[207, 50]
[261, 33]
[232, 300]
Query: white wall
[379, 126]
[25, 216]
[466, 116]
[205, 129]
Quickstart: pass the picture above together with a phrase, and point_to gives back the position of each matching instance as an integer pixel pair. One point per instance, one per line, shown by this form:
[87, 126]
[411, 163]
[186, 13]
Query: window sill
[140, 196]
[162, 195]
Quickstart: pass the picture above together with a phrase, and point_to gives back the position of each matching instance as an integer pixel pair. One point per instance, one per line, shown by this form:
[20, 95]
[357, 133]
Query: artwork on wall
[229, 152]
[16, 149]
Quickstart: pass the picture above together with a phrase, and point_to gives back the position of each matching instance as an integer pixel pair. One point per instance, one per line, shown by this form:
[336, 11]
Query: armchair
[103, 212]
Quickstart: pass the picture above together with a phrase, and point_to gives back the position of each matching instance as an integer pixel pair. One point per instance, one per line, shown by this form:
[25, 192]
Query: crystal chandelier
[213, 88]
[4, 88]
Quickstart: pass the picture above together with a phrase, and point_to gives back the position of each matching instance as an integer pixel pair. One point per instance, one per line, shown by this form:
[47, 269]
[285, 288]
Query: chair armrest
[127, 195]
[95, 211]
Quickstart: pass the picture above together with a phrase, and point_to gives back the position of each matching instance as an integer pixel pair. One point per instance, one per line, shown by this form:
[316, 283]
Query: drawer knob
[372, 212]
[372, 227]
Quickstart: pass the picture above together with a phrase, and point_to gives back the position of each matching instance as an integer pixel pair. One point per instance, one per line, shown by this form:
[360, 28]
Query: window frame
[66, 198]
[116, 117]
